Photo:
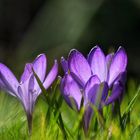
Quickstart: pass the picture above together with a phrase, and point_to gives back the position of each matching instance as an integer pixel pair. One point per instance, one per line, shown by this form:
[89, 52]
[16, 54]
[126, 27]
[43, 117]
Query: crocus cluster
[86, 81]
[91, 79]
[26, 90]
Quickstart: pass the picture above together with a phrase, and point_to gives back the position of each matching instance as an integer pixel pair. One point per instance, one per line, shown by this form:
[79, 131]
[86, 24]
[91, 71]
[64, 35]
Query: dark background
[30, 27]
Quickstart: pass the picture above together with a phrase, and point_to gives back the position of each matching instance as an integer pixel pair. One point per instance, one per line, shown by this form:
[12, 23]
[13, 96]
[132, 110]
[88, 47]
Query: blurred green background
[30, 27]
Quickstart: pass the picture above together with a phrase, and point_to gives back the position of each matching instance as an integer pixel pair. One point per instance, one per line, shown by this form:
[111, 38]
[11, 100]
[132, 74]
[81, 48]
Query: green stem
[29, 119]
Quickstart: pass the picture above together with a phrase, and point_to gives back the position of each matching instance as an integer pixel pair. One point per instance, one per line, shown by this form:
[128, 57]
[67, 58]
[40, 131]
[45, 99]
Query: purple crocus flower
[27, 89]
[92, 78]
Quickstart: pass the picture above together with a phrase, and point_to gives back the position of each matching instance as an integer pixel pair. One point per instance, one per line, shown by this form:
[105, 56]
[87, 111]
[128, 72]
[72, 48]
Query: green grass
[58, 121]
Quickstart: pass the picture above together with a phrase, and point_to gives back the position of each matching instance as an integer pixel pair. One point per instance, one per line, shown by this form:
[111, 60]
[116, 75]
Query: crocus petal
[121, 78]
[31, 93]
[26, 92]
[116, 93]
[51, 76]
[21, 94]
[118, 65]
[95, 92]
[87, 117]
[3, 87]
[64, 64]
[104, 92]
[79, 66]
[27, 72]
[1, 84]
[39, 66]
[70, 90]
[109, 58]
[8, 79]
[91, 88]
[76, 78]
[96, 59]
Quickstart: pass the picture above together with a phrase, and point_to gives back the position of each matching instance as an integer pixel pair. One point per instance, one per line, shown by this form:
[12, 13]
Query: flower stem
[29, 119]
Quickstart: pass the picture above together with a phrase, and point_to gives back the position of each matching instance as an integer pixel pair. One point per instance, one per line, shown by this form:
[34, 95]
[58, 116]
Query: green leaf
[132, 102]
[42, 88]
[135, 131]
[126, 115]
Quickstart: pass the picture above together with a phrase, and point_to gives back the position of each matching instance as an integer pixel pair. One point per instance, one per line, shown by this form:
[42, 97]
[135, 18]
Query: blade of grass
[42, 88]
[132, 102]
[126, 114]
